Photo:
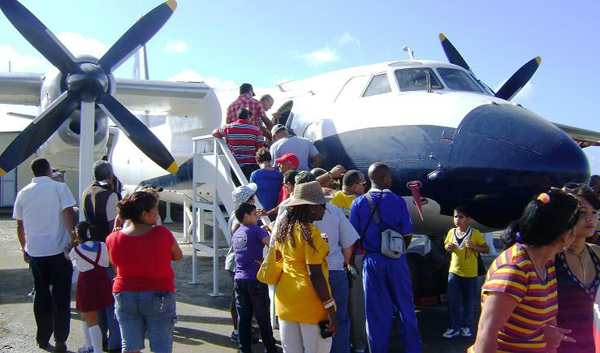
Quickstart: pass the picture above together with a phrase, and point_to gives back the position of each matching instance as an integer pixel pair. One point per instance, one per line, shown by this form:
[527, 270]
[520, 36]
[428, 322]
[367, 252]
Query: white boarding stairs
[212, 186]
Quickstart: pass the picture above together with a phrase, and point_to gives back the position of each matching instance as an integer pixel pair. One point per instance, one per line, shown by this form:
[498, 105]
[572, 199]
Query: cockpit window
[379, 84]
[415, 79]
[351, 89]
[458, 80]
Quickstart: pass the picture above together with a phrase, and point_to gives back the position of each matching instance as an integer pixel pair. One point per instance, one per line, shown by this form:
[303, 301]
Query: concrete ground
[204, 322]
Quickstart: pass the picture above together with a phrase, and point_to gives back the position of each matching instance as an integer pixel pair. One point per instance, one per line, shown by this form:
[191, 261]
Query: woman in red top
[144, 287]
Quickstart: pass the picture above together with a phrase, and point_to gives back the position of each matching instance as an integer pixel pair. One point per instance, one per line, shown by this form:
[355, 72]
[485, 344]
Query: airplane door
[8, 188]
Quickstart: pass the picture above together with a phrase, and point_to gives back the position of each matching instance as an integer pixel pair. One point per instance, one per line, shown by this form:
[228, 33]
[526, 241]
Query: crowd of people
[343, 277]
[125, 286]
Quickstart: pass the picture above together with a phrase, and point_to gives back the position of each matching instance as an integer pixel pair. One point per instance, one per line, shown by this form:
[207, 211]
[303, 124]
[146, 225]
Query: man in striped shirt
[244, 139]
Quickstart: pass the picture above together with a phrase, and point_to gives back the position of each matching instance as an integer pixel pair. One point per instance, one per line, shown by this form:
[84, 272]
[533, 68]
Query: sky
[228, 42]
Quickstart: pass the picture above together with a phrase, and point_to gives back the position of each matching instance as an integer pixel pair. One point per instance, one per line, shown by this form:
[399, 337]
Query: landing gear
[429, 272]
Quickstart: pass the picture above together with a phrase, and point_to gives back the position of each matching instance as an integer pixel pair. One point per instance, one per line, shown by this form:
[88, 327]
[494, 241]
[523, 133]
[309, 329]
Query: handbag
[270, 269]
[392, 242]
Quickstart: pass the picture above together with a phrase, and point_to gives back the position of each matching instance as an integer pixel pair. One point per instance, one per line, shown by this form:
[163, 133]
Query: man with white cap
[301, 147]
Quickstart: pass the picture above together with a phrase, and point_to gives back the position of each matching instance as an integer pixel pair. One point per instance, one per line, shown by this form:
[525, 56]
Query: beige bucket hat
[308, 194]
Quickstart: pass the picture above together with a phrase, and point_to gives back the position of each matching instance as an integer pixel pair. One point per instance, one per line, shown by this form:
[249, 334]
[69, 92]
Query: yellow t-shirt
[464, 261]
[295, 298]
[343, 201]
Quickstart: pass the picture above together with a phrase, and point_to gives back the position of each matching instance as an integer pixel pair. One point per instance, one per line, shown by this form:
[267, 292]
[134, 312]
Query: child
[251, 296]
[94, 288]
[465, 244]
[268, 179]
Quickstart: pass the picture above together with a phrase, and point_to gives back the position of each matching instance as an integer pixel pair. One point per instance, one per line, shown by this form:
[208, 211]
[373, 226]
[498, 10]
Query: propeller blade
[140, 33]
[452, 54]
[139, 134]
[36, 133]
[38, 35]
[519, 79]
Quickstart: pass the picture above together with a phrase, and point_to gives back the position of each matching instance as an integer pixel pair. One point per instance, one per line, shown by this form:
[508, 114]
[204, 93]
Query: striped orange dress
[513, 273]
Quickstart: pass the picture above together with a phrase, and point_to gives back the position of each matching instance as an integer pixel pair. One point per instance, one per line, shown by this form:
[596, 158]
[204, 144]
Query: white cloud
[81, 45]
[18, 61]
[322, 56]
[526, 92]
[188, 75]
[178, 46]
[347, 38]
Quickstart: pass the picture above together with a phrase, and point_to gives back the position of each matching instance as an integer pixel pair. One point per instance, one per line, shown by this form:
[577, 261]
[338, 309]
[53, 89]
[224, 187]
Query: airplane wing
[162, 96]
[585, 138]
[20, 88]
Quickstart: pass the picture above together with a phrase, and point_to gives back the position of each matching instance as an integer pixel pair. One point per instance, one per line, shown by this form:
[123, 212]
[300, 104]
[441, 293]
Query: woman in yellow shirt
[303, 300]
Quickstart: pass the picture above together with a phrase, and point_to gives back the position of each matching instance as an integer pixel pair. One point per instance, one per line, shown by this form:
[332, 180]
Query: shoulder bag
[270, 269]
[392, 242]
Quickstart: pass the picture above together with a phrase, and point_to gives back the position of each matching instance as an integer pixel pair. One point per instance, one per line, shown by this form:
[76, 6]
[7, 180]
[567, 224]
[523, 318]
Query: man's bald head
[380, 175]
[267, 101]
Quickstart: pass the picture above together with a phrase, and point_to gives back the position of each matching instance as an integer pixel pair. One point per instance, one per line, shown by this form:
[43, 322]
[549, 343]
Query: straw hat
[308, 194]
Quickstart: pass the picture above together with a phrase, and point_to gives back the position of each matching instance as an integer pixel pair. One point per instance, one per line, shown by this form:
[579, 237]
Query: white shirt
[81, 264]
[39, 205]
[340, 233]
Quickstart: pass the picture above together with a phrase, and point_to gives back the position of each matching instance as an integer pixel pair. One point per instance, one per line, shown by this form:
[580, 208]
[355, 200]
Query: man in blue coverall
[388, 289]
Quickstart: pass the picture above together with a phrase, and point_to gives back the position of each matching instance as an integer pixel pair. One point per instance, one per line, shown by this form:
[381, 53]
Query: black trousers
[52, 300]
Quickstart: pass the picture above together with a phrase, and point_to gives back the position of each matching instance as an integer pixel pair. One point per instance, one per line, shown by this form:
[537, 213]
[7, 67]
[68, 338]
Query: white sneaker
[451, 333]
[85, 349]
[465, 332]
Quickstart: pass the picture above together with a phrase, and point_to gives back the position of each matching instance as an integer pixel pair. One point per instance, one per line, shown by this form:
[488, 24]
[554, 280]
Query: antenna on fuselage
[410, 52]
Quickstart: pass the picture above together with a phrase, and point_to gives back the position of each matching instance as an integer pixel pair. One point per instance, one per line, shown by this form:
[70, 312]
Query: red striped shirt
[513, 273]
[244, 139]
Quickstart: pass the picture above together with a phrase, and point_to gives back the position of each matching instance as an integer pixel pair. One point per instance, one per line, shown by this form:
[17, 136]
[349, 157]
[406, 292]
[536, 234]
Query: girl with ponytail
[519, 295]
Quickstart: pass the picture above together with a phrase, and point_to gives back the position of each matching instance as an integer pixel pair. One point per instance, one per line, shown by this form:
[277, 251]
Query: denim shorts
[149, 311]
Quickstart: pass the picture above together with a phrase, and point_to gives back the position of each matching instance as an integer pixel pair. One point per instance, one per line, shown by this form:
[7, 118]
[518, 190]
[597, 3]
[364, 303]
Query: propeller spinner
[512, 86]
[85, 81]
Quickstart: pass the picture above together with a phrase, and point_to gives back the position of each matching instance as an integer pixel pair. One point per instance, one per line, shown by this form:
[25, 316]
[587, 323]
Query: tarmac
[204, 321]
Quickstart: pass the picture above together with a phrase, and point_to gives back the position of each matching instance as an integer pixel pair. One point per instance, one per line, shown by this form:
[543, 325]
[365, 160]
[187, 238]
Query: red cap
[288, 158]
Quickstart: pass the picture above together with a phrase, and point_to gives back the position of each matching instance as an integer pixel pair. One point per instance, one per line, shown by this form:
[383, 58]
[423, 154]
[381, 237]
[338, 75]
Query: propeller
[519, 79]
[511, 87]
[452, 54]
[85, 81]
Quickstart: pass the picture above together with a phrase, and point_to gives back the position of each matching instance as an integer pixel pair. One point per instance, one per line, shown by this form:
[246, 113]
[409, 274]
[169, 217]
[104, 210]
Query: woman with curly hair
[303, 300]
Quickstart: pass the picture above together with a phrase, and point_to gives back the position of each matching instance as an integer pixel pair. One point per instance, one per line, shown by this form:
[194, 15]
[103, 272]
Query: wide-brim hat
[243, 193]
[308, 194]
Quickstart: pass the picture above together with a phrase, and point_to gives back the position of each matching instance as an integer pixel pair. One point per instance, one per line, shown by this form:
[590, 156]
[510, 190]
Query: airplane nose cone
[520, 153]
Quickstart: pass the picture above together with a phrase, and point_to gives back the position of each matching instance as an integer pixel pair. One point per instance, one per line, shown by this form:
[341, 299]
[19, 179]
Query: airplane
[448, 137]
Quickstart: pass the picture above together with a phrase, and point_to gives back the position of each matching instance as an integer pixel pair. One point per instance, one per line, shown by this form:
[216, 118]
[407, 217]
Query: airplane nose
[520, 154]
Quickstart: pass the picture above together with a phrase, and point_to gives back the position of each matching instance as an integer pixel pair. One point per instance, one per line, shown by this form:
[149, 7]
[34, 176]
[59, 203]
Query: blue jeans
[150, 311]
[338, 281]
[251, 296]
[108, 322]
[462, 293]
